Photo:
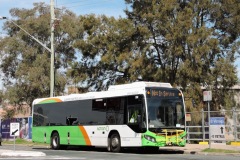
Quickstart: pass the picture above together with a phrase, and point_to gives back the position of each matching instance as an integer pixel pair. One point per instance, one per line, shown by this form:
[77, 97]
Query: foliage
[1, 96]
[25, 63]
[191, 44]
[105, 51]
[7, 112]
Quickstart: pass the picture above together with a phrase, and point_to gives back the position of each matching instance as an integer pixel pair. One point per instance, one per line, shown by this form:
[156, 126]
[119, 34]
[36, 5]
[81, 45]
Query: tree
[105, 51]
[25, 63]
[1, 97]
[185, 43]
[180, 42]
[7, 112]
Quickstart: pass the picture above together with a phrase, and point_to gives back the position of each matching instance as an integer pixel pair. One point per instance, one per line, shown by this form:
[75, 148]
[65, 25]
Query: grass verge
[219, 151]
[24, 142]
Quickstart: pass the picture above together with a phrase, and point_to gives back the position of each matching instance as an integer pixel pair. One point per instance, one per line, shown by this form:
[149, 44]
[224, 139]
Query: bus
[140, 114]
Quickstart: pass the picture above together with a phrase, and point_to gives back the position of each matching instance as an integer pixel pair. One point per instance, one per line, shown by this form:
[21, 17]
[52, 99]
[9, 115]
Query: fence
[197, 125]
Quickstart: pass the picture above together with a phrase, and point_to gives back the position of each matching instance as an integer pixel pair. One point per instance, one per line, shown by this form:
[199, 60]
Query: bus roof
[113, 91]
[139, 85]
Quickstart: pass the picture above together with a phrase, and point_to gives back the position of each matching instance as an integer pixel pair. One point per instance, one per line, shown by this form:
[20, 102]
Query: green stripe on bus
[50, 100]
[76, 136]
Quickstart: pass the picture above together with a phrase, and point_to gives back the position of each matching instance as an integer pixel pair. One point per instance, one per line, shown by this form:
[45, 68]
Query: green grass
[219, 151]
[23, 142]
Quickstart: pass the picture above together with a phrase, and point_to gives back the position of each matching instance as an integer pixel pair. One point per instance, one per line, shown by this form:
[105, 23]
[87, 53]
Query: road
[102, 154]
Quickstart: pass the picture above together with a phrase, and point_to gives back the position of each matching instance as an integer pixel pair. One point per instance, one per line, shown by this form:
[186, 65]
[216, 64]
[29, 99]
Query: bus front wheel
[115, 143]
[55, 141]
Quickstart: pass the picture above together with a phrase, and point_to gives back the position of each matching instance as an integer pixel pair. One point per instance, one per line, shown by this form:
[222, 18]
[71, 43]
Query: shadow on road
[124, 150]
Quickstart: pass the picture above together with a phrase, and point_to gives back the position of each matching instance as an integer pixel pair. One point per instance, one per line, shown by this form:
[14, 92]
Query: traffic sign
[188, 118]
[207, 95]
[217, 128]
[14, 129]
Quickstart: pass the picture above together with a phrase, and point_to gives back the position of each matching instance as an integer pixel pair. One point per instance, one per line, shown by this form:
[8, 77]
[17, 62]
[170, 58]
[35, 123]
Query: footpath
[188, 149]
[198, 149]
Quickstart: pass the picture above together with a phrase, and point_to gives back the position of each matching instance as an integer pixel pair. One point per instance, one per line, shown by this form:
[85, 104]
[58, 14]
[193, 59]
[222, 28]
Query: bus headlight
[150, 138]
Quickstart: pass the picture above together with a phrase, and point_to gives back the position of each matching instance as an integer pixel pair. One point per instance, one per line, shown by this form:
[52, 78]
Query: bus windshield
[165, 112]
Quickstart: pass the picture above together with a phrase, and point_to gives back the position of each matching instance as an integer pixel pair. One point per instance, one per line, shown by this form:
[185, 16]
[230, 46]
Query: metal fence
[197, 125]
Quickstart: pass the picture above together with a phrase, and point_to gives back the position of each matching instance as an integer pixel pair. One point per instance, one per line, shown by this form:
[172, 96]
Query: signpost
[207, 96]
[14, 131]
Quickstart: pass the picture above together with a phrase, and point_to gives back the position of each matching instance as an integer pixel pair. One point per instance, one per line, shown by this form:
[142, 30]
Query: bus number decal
[103, 128]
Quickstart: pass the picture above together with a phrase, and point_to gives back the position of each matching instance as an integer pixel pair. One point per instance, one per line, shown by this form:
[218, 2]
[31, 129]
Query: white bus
[140, 114]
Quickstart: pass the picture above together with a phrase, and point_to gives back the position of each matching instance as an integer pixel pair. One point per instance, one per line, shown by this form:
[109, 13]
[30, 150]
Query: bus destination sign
[161, 93]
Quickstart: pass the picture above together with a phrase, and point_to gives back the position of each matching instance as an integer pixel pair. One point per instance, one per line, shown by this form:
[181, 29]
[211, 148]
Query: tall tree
[105, 47]
[187, 41]
[25, 63]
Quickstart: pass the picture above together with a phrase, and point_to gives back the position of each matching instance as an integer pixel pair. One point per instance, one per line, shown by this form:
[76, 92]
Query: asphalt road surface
[102, 154]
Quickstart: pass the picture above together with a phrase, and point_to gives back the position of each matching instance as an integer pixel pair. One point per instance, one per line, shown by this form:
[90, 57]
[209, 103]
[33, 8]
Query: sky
[80, 7]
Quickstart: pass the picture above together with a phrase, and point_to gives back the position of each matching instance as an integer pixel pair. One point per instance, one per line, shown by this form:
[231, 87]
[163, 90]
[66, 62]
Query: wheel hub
[54, 141]
[115, 142]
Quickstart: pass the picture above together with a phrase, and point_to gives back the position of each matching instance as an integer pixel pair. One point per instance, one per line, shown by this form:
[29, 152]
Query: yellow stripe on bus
[50, 100]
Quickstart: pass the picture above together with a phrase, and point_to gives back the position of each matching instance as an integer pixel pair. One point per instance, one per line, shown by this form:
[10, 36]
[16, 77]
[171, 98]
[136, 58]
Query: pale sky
[80, 7]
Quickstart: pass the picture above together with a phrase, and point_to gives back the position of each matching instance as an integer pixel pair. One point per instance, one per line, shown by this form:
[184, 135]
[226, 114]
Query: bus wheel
[115, 143]
[55, 141]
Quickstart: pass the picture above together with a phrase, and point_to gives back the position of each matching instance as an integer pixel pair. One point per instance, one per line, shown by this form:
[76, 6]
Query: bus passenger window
[71, 121]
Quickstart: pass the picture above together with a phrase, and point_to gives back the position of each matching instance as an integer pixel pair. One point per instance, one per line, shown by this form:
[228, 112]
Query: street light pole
[52, 74]
[27, 33]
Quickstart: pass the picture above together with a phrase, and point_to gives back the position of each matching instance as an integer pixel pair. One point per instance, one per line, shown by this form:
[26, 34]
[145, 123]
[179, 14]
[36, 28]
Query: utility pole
[52, 68]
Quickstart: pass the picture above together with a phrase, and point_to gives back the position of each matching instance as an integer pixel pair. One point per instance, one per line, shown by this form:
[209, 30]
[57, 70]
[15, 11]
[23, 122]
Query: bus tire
[55, 141]
[115, 143]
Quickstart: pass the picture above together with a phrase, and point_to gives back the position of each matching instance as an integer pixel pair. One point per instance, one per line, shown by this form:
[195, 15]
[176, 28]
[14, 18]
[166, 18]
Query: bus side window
[132, 118]
[179, 113]
[133, 115]
[71, 121]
